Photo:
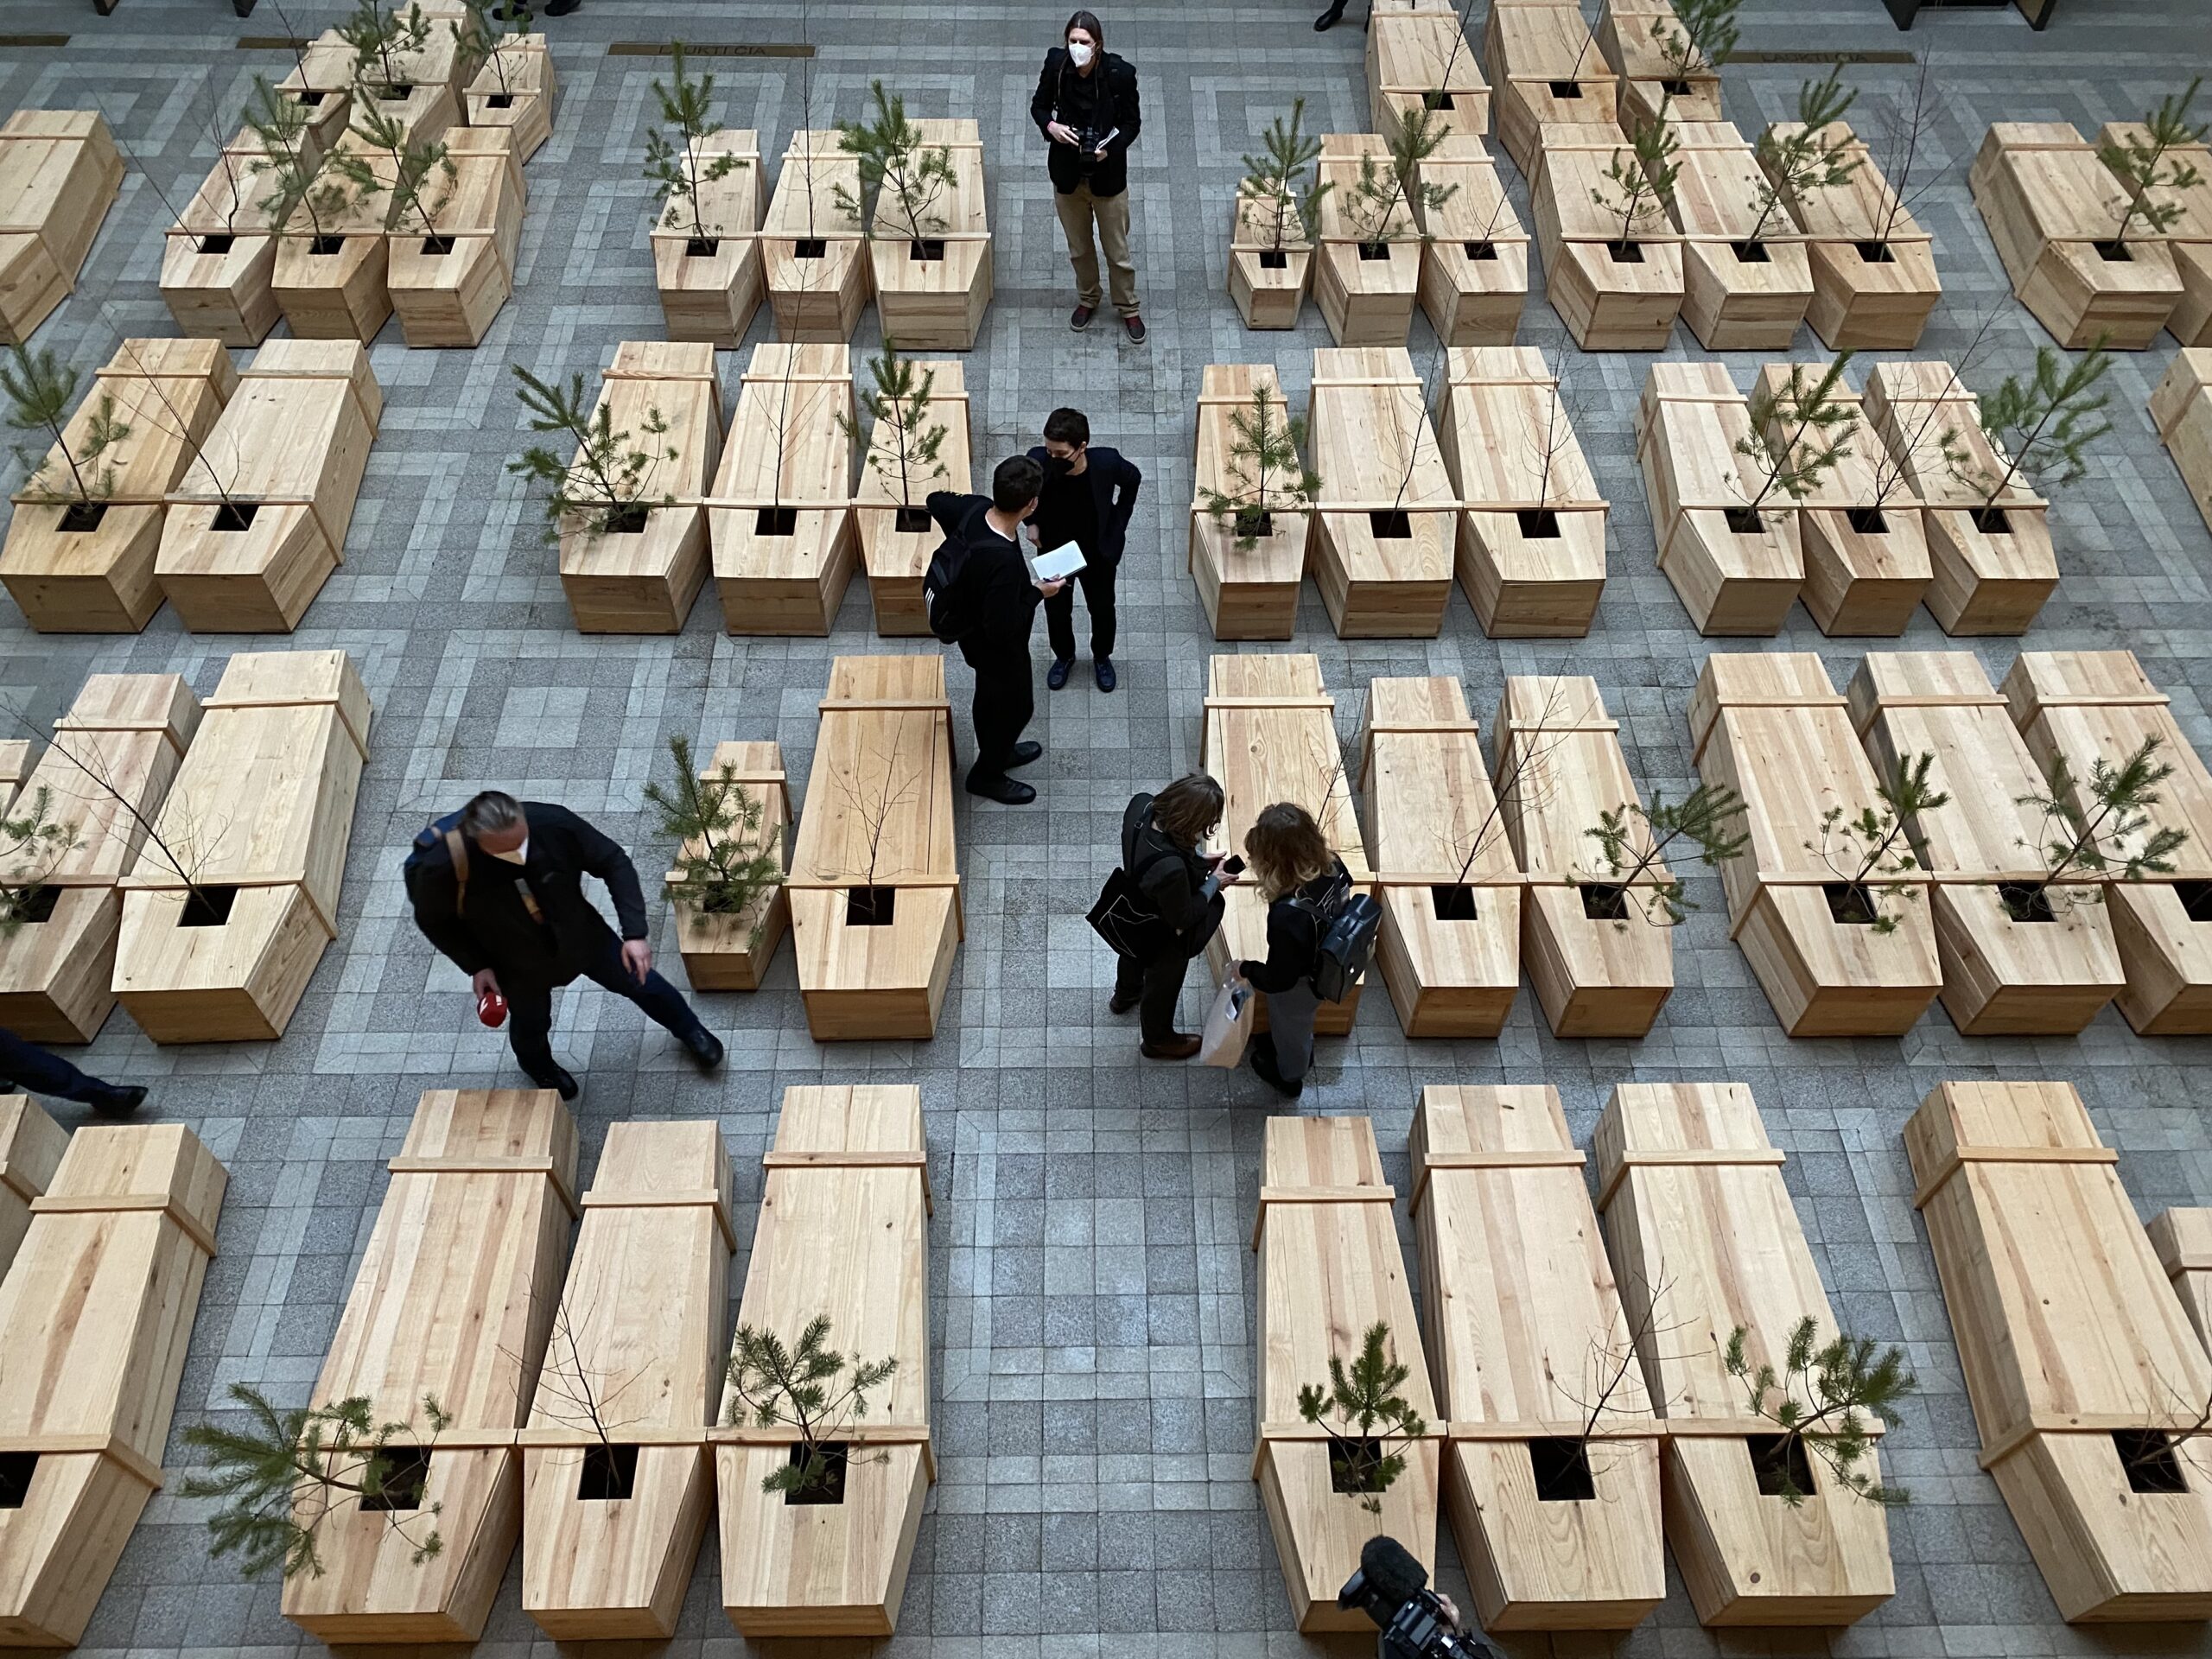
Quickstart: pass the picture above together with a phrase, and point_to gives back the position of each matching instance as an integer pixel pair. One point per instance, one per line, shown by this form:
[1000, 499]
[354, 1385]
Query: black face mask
[1059, 466]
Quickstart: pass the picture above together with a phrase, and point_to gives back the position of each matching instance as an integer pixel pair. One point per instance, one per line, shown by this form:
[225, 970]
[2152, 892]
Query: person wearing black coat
[1086, 106]
[499, 890]
[1090, 495]
[1160, 849]
[1297, 873]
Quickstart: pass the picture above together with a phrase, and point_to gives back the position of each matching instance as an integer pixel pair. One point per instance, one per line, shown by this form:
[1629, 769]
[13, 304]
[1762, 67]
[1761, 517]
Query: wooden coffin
[448, 281]
[843, 1235]
[1418, 58]
[31, 1145]
[1992, 567]
[331, 275]
[454, 1299]
[931, 291]
[1738, 293]
[1330, 1268]
[814, 253]
[1387, 513]
[642, 581]
[59, 175]
[2087, 706]
[710, 285]
[1247, 593]
[1531, 546]
[321, 82]
[1612, 296]
[259, 816]
[1874, 282]
[14, 767]
[2018, 956]
[1474, 255]
[104, 775]
[1704, 1242]
[779, 519]
[2181, 408]
[1629, 37]
[2079, 1357]
[219, 256]
[2189, 237]
[1771, 728]
[1365, 289]
[732, 953]
[2051, 207]
[1268, 274]
[1551, 1476]
[2182, 1238]
[875, 883]
[1544, 69]
[516, 88]
[89, 569]
[615, 1485]
[890, 508]
[1601, 959]
[249, 538]
[1866, 562]
[1689, 422]
[1450, 945]
[1269, 735]
[95, 1317]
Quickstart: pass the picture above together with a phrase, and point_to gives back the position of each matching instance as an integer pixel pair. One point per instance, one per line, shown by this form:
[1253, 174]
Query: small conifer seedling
[2107, 835]
[1875, 848]
[2146, 163]
[607, 489]
[896, 167]
[1368, 1421]
[809, 1387]
[2041, 428]
[1265, 474]
[1825, 1399]
[675, 166]
[1282, 192]
[42, 392]
[1634, 839]
[1370, 202]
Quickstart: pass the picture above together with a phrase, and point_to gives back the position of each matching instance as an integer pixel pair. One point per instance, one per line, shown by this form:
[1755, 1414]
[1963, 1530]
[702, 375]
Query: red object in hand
[491, 1009]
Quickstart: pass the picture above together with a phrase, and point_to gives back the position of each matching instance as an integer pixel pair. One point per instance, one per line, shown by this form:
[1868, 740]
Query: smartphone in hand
[1232, 865]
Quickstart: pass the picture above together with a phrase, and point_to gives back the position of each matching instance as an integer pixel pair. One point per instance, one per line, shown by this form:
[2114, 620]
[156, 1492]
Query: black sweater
[1174, 884]
[1293, 937]
[995, 586]
[1105, 98]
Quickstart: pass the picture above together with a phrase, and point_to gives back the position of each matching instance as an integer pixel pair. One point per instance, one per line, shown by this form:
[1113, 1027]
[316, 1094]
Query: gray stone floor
[1091, 1289]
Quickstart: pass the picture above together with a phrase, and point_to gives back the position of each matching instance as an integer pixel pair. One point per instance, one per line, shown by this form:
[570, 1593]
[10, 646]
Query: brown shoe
[1180, 1046]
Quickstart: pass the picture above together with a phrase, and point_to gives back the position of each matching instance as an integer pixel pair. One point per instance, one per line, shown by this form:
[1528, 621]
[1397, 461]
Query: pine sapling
[1643, 179]
[1801, 164]
[382, 38]
[417, 179]
[1800, 432]
[1282, 192]
[894, 160]
[1634, 839]
[2147, 162]
[1264, 470]
[607, 489]
[904, 448]
[1366, 1417]
[723, 864]
[1371, 202]
[2119, 799]
[1902, 134]
[1825, 1398]
[296, 184]
[41, 393]
[809, 1387]
[2041, 428]
[1875, 848]
[32, 843]
[479, 38]
[1695, 40]
[675, 167]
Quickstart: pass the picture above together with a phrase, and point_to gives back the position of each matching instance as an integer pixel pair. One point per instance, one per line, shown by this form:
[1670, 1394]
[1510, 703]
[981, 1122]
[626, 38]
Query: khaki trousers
[1077, 208]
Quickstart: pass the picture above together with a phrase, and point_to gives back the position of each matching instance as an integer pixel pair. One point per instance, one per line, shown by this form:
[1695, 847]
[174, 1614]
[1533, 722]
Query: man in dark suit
[498, 889]
[1089, 495]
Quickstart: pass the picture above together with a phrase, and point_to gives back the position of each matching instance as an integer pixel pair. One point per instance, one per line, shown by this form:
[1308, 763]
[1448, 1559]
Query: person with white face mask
[1086, 107]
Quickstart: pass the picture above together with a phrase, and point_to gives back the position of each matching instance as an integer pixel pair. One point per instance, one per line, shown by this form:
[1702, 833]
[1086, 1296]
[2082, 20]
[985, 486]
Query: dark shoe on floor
[1103, 672]
[1057, 675]
[1135, 326]
[1180, 1046]
[1006, 791]
[1264, 1067]
[1079, 319]
[1025, 752]
[704, 1048]
[561, 8]
[119, 1102]
[1119, 1004]
[560, 1081]
[1328, 19]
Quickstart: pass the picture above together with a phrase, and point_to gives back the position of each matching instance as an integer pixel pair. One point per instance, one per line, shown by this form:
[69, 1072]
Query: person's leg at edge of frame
[1113, 213]
[1059, 622]
[40, 1071]
[1163, 985]
[529, 1032]
[1074, 209]
[1283, 1055]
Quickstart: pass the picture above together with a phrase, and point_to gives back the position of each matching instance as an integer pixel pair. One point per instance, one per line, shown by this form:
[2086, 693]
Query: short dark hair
[491, 810]
[1187, 810]
[1016, 483]
[1067, 426]
[1088, 21]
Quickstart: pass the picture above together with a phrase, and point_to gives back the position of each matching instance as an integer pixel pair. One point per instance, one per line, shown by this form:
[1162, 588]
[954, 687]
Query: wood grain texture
[1545, 69]
[1609, 301]
[1874, 281]
[1365, 289]
[791, 448]
[897, 558]
[2181, 408]
[2189, 239]
[449, 283]
[31, 1145]
[711, 285]
[1738, 295]
[1377, 456]
[59, 175]
[1474, 263]
[1247, 593]
[932, 298]
[516, 89]
[733, 953]
[814, 253]
[1418, 58]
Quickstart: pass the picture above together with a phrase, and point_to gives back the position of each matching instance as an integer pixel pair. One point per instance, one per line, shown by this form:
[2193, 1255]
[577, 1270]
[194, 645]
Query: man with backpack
[982, 596]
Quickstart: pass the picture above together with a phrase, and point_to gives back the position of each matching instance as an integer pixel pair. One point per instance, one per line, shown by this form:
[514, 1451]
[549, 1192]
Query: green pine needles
[607, 489]
[381, 37]
[2147, 162]
[1698, 38]
[42, 392]
[724, 866]
[2043, 425]
[809, 1387]
[1801, 164]
[32, 841]
[1263, 468]
[904, 448]
[1367, 1419]
[1799, 432]
[1280, 190]
[295, 184]
[1641, 178]
[1825, 1398]
[1371, 203]
[415, 163]
[280, 1477]
[1634, 839]
[675, 166]
[1875, 847]
[478, 40]
[898, 167]
[2119, 803]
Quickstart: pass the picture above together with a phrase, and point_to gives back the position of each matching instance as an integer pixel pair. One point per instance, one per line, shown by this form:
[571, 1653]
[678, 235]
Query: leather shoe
[1006, 791]
[561, 8]
[704, 1048]
[1135, 326]
[1057, 675]
[561, 1083]
[1180, 1046]
[119, 1101]
[1328, 19]
[1264, 1067]
[1119, 1004]
[1103, 672]
[1025, 752]
[1079, 319]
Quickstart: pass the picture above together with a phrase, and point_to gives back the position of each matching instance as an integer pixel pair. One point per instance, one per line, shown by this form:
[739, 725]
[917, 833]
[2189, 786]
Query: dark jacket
[1113, 478]
[1172, 878]
[1115, 85]
[995, 588]
[1293, 936]
[495, 929]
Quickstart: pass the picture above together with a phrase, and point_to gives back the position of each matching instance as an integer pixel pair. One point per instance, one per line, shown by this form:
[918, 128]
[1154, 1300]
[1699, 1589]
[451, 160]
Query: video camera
[1391, 1588]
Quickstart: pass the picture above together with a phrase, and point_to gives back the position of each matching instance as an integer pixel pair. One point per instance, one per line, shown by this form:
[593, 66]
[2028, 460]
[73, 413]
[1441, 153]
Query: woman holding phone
[1160, 849]
[1086, 107]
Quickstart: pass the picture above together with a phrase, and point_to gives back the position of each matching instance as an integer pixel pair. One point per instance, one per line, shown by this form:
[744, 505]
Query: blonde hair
[1286, 849]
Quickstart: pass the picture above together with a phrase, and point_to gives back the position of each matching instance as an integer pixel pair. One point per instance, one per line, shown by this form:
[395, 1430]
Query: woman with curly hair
[1299, 877]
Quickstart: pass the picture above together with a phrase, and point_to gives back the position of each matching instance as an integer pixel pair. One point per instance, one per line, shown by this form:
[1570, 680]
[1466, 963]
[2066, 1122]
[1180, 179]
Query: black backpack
[950, 619]
[1346, 924]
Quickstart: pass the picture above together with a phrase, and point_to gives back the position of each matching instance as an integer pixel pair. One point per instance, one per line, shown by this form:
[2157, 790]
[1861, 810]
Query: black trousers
[530, 1009]
[34, 1069]
[1005, 699]
[1155, 984]
[1097, 582]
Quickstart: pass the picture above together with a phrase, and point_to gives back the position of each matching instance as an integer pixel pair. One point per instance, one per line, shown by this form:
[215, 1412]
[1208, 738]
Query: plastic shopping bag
[1228, 1024]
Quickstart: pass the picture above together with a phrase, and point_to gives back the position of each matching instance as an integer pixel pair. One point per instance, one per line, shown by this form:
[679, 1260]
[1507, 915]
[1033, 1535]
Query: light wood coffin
[2181, 408]
[932, 291]
[1703, 1241]
[733, 953]
[875, 882]
[1418, 57]
[1474, 255]
[2042, 960]
[814, 252]
[2079, 1357]
[1531, 546]
[890, 508]
[2090, 706]
[219, 256]
[259, 816]
[95, 1317]
[453, 1300]
[1269, 735]
[104, 775]
[2182, 1238]
[1739, 295]
[1689, 422]
[321, 82]
[781, 518]
[2189, 239]
[332, 278]
[516, 88]
[14, 767]
[706, 257]
[1991, 566]
[249, 538]
[642, 581]
[1545, 69]
[89, 569]
[1450, 945]
[1270, 265]
[843, 1235]
[615, 1485]
[1364, 285]
[2051, 207]
[59, 175]
[1613, 295]
[1772, 727]
[1330, 1268]
[1629, 33]
[1387, 512]
[31, 1145]
[1859, 527]
[1601, 965]
[1526, 1337]
[1247, 593]
[1874, 282]
[449, 279]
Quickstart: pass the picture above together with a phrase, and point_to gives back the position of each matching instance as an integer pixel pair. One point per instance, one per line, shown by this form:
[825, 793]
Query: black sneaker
[1264, 1067]
[704, 1048]
[1006, 791]
[1327, 20]
[1057, 675]
[561, 8]
[1079, 319]
[1135, 326]
[561, 1083]
[1103, 672]
[115, 1101]
[1025, 752]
